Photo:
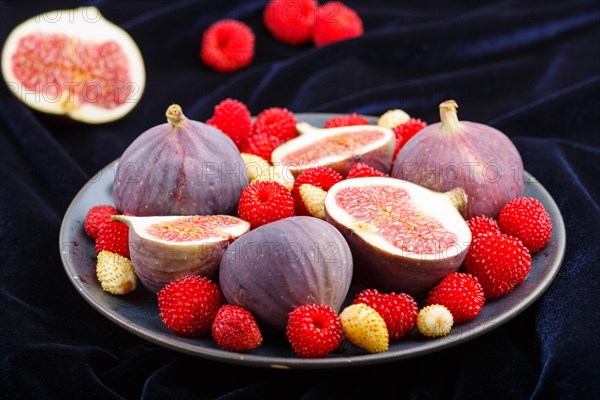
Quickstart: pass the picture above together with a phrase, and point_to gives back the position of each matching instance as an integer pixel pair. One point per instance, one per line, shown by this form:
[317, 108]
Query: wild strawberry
[262, 202]
[406, 131]
[114, 237]
[275, 121]
[115, 273]
[279, 174]
[392, 118]
[313, 330]
[398, 310]
[255, 165]
[233, 118]
[227, 46]
[461, 294]
[313, 199]
[500, 262]
[482, 224]
[188, 306]
[365, 328]
[261, 144]
[526, 219]
[362, 170]
[336, 22]
[321, 177]
[346, 120]
[96, 217]
[435, 321]
[235, 329]
[291, 21]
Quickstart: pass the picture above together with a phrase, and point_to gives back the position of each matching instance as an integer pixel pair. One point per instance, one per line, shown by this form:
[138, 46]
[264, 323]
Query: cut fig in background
[74, 63]
[337, 148]
[403, 237]
[164, 249]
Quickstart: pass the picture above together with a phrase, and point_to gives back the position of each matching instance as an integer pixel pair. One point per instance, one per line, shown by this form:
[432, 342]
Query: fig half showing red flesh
[167, 248]
[403, 237]
[338, 148]
[74, 63]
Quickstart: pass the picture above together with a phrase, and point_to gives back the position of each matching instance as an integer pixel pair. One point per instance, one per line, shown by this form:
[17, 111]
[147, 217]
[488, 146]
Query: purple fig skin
[284, 264]
[183, 167]
[476, 157]
[387, 272]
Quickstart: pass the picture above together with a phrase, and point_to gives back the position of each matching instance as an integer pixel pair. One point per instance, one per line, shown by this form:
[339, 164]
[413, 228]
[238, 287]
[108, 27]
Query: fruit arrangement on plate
[242, 226]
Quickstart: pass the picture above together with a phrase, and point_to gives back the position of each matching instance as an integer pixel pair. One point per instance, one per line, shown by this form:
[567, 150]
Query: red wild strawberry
[346, 120]
[233, 118]
[336, 22]
[321, 177]
[278, 122]
[398, 310]
[114, 237]
[291, 21]
[188, 305]
[96, 217]
[406, 131]
[313, 330]
[265, 201]
[362, 170]
[526, 219]
[500, 262]
[227, 46]
[261, 144]
[482, 224]
[235, 329]
[461, 294]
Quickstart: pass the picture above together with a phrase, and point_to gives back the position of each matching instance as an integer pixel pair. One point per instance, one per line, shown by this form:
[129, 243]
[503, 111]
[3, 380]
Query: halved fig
[164, 249]
[403, 237]
[338, 148]
[74, 63]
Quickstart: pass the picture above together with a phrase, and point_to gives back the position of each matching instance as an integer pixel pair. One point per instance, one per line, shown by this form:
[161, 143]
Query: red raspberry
[336, 22]
[461, 294]
[314, 330]
[321, 177]
[346, 120]
[261, 144]
[96, 217]
[114, 237]
[291, 21]
[406, 131]
[263, 202]
[233, 118]
[278, 122]
[227, 46]
[482, 224]
[500, 262]
[188, 305]
[235, 329]
[398, 310]
[526, 219]
[362, 170]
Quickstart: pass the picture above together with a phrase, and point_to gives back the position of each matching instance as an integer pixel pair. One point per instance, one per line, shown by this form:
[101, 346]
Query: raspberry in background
[261, 144]
[398, 310]
[406, 131]
[188, 306]
[526, 219]
[313, 330]
[362, 170]
[322, 177]
[461, 294]
[96, 217]
[233, 118]
[346, 120]
[227, 46]
[336, 22]
[263, 202]
[277, 122]
[291, 21]
[235, 329]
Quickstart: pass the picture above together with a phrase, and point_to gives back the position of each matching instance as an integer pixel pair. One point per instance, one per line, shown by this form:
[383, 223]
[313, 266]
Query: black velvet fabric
[530, 69]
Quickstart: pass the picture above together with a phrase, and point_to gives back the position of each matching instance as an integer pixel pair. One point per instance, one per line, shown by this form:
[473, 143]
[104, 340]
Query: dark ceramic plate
[137, 312]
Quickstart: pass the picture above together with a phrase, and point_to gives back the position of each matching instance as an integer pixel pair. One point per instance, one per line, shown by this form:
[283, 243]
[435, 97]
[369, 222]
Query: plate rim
[246, 359]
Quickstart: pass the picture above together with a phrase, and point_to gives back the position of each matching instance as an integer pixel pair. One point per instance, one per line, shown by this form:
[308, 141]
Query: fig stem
[175, 115]
[458, 197]
[449, 117]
